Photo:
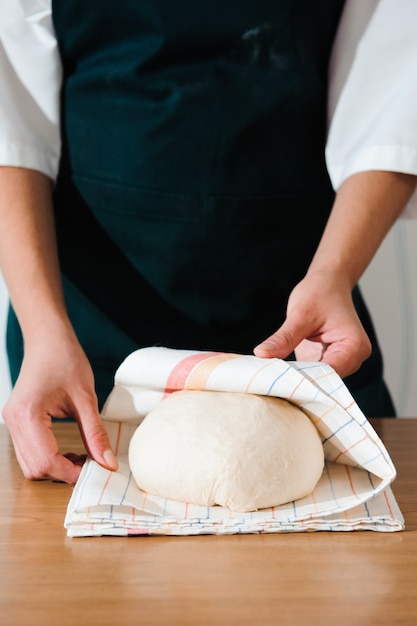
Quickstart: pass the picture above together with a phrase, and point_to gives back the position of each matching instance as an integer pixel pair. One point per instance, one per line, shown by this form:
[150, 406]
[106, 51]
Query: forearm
[365, 208]
[28, 253]
[56, 379]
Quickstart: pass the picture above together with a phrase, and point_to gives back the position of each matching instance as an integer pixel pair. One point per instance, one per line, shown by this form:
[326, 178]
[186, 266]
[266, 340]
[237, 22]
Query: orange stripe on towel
[194, 371]
[178, 376]
[201, 373]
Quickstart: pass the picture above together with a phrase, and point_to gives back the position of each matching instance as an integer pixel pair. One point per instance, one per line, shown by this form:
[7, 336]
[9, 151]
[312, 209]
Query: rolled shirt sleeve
[31, 76]
[372, 94]
[373, 91]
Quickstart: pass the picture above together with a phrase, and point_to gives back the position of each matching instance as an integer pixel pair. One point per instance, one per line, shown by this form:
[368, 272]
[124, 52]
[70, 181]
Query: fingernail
[267, 346]
[110, 460]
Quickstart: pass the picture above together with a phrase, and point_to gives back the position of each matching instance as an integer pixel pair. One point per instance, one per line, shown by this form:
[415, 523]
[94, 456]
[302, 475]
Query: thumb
[96, 439]
[282, 343]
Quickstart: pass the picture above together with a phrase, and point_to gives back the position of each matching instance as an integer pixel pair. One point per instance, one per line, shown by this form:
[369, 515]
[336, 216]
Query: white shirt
[372, 94]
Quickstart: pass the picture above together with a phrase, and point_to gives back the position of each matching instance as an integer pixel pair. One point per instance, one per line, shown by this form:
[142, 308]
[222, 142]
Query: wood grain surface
[321, 578]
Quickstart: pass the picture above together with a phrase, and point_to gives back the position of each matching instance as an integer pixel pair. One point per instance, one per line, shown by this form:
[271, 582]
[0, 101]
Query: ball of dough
[237, 450]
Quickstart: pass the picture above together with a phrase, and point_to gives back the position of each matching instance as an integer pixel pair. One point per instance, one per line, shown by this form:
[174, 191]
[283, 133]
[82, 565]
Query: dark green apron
[192, 190]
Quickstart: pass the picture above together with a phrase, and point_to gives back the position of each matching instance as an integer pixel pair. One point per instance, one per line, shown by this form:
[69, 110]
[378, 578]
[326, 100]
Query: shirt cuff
[29, 156]
[383, 158]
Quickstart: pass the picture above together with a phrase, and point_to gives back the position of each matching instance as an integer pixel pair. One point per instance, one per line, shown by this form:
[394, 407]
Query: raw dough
[242, 451]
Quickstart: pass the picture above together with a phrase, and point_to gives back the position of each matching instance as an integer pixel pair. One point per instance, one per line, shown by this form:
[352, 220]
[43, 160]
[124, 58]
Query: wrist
[331, 277]
[366, 206]
[51, 327]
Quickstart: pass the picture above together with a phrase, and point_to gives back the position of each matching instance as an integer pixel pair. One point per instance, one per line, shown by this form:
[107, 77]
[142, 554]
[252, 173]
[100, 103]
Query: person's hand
[321, 325]
[56, 380]
[321, 322]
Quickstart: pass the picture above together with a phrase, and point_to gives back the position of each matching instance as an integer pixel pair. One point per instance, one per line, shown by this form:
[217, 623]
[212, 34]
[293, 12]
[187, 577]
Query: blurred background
[390, 289]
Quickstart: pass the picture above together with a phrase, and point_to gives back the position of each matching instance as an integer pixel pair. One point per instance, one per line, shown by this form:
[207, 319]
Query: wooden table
[357, 578]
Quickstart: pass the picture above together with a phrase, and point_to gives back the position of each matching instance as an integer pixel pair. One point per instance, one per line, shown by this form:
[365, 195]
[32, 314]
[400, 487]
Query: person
[164, 182]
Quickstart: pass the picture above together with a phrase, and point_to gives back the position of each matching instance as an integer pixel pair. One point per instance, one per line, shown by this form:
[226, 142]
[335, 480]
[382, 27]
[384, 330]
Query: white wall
[390, 289]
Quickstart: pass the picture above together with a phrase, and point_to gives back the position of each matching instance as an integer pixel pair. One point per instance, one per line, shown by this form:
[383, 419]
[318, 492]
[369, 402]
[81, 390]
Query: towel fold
[353, 493]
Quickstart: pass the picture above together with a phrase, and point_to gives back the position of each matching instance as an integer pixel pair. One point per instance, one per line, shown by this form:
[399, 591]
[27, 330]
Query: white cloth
[373, 89]
[30, 71]
[353, 493]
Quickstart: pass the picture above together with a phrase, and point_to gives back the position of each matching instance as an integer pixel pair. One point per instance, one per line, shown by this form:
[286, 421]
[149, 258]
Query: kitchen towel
[353, 493]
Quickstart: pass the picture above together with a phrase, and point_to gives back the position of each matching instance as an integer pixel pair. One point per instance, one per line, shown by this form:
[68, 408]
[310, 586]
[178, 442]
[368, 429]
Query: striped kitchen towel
[353, 493]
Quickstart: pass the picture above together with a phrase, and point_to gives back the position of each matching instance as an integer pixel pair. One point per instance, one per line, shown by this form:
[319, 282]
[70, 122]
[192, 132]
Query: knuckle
[32, 475]
[363, 349]
[17, 412]
[40, 472]
[367, 350]
[11, 412]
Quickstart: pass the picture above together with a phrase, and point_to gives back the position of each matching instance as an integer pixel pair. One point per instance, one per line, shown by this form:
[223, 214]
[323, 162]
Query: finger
[44, 466]
[63, 469]
[95, 437]
[345, 360]
[282, 343]
[310, 351]
[36, 447]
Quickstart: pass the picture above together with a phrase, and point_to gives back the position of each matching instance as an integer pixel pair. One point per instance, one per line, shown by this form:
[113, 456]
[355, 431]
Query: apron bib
[192, 190]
